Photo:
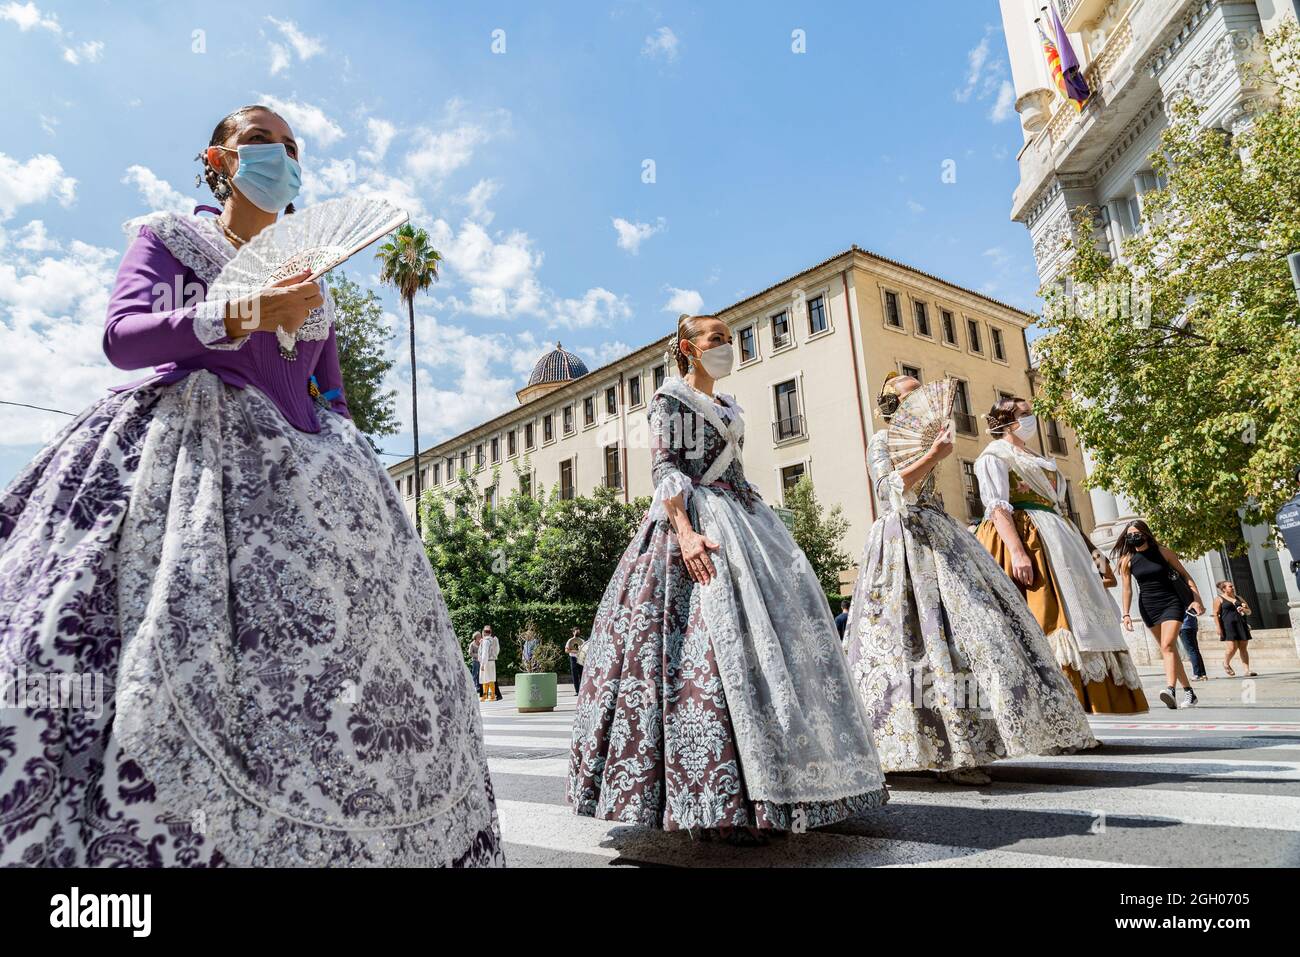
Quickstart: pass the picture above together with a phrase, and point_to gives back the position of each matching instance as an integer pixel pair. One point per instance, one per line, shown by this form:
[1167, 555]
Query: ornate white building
[1139, 58]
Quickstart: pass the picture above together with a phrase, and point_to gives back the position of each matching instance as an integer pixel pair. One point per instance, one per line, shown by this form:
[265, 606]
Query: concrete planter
[535, 692]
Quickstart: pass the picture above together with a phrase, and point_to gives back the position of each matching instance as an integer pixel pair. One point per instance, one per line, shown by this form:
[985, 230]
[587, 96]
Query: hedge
[554, 621]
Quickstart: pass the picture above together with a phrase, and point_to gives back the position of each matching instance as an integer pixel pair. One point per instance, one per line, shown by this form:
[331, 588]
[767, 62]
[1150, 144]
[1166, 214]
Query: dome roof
[557, 366]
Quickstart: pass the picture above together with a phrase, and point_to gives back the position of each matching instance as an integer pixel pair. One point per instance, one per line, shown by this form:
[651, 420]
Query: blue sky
[525, 163]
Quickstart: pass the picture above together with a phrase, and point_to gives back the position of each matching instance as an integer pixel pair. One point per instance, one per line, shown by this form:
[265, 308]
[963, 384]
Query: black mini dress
[1158, 599]
[1233, 622]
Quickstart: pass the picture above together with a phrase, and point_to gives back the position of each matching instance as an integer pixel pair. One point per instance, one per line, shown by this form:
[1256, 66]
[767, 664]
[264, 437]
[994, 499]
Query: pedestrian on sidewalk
[1187, 637]
[488, 650]
[474, 642]
[1166, 593]
[1230, 614]
[576, 650]
[842, 619]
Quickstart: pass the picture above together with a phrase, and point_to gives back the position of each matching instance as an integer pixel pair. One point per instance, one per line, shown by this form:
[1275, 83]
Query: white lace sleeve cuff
[210, 326]
[992, 505]
[670, 486]
[891, 489]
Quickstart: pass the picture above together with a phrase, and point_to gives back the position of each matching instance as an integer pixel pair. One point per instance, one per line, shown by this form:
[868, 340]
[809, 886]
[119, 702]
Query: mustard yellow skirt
[1044, 600]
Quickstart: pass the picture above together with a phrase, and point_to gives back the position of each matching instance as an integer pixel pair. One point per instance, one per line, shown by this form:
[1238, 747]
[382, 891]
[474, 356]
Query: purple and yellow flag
[1053, 56]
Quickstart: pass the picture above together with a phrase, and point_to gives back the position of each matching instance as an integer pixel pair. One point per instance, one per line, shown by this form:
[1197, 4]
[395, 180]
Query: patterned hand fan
[317, 238]
[921, 416]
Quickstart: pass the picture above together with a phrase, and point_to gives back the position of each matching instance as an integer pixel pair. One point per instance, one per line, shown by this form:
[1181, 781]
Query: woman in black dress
[1165, 594]
[1230, 614]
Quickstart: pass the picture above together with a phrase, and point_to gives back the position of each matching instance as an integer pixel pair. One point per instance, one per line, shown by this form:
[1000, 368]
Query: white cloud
[51, 332]
[306, 47]
[684, 301]
[280, 58]
[597, 307]
[662, 43]
[478, 197]
[157, 193]
[27, 16]
[1005, 106]
[437, 155]
[501, 276]
[987, 79]
[915, 207]
[381, 133]
[49, 124]
[307, 120]
[976, 58]
[632, 235]
[91, 51]
[35, 239]
[35, 181]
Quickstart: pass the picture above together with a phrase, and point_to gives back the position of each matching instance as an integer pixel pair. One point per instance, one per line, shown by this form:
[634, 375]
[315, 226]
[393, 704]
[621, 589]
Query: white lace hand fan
[921, 416]
[317, 238]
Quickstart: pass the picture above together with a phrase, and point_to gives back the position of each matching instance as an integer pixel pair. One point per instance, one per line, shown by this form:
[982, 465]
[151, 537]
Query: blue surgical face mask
[268, 176]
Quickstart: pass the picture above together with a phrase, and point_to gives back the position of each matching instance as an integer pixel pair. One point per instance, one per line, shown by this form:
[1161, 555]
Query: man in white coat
[488, 650]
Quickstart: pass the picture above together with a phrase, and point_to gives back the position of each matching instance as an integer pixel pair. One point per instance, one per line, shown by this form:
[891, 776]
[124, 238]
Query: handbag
[1181, 588]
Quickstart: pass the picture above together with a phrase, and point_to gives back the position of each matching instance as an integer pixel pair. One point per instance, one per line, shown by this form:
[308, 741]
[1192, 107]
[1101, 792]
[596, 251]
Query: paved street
[1218, 785]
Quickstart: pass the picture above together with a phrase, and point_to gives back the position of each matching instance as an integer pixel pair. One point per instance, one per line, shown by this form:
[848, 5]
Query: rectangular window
[528, 435]
[568, 419]
[746, 339]
[525, 483]
[790, 476]
[922, 315]
[999, 351]
[1070, 511]
[437, 474]
[971, 488]
[912, 372]
[949, 327]
[548, 428]
[566, 479]
[496, 449]
[589, 411]
[613, 471]
[892, 315]
[410, 484]
[780, 330]
[816, 315]
[973, 331]
[661, 373]
[961, 411]
[611, 401]
[478, 456]
[511, 443]
[789, 423]
[451, 469]
[634, 391]
[490, 497]
[464, 461]
[1055, 440]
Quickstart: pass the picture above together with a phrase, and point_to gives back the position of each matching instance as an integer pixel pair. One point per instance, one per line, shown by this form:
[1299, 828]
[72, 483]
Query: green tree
[819, 533]
[1180, 368]
[581, 542]
[410, 264]
[362, 343]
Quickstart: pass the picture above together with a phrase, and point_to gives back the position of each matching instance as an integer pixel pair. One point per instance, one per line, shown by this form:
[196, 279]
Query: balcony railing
[1056, 443]
[613, 480]
[791, 428]
[965, 423]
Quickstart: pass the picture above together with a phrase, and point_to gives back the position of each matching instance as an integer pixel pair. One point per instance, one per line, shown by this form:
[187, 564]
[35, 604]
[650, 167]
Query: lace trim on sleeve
[210, 326]
[671, 485]
[997, 505]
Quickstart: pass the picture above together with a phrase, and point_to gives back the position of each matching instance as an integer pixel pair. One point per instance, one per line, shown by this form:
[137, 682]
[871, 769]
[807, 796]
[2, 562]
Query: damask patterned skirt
[947, 658]
[653, 740]
[266, 668]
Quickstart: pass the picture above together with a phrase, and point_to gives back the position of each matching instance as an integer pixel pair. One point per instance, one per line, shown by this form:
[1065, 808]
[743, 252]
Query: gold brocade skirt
[1044, 600]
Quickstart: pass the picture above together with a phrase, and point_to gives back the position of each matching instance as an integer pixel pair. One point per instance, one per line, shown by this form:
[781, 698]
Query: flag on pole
[1076, 86]
[1054, 65]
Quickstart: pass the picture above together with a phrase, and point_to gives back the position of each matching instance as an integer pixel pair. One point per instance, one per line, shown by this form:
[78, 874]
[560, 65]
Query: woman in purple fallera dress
[278, 680]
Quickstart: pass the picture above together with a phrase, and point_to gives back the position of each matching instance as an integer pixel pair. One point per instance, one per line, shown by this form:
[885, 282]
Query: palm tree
[410, 265]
